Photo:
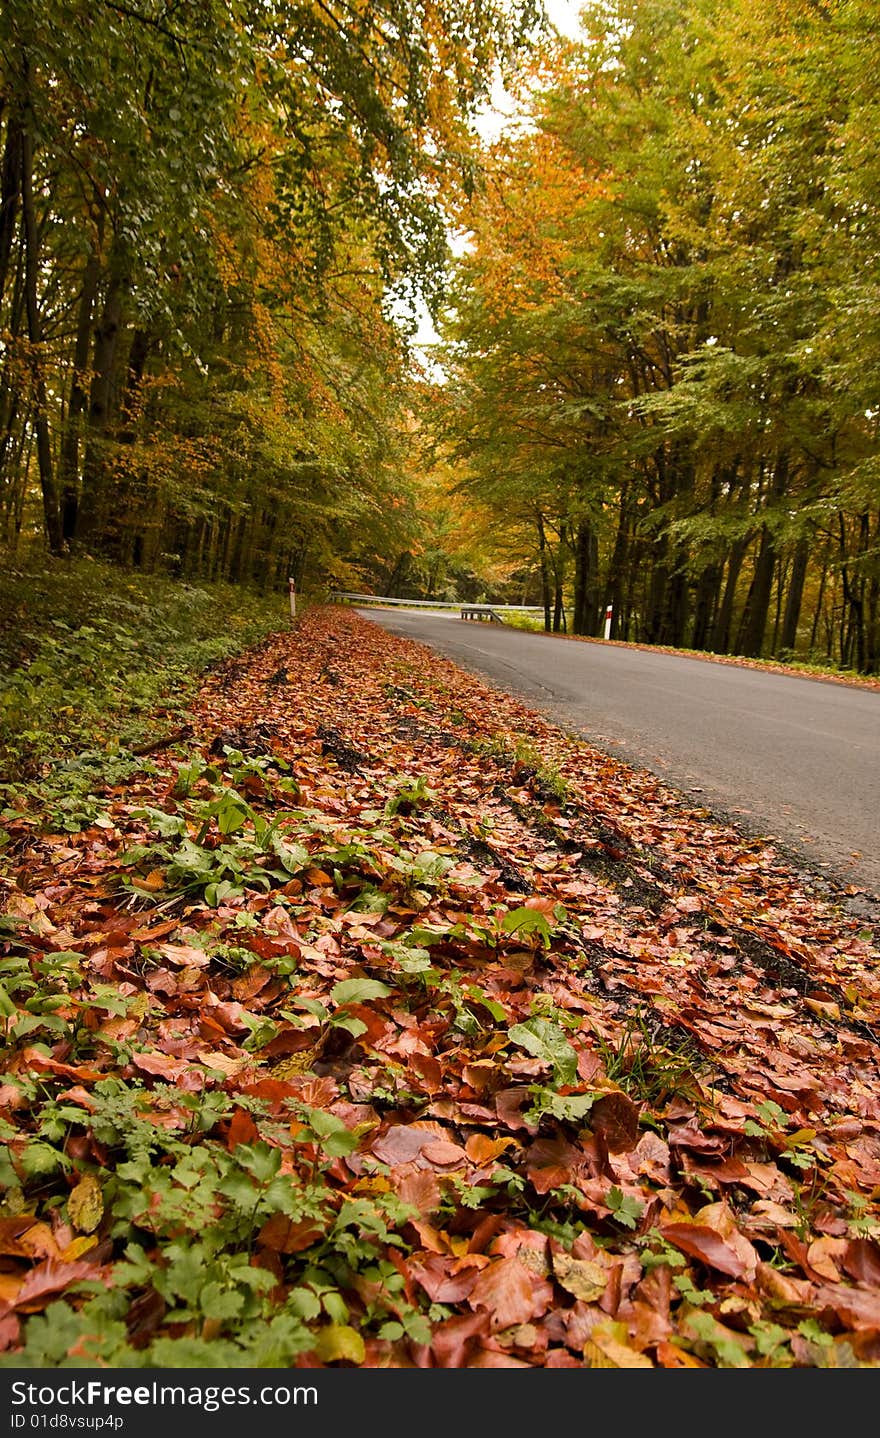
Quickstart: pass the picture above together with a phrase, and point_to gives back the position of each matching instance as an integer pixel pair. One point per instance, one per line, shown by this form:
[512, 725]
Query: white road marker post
[291, 585]
[608, 613]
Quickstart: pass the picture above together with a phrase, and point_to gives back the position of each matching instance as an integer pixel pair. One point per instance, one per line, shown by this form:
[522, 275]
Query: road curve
[786, 757]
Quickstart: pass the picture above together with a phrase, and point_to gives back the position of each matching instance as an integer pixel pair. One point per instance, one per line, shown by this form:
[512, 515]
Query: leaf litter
[384, 1024]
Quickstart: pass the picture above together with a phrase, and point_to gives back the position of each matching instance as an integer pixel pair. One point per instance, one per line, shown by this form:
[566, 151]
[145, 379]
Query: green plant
[650, 1071]
[409, 795]
[771, 1125]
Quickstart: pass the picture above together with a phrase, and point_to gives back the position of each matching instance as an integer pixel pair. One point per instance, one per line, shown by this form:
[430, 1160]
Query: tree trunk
[10, 194]
[617, 590]
[586, 563]
[754, 621]
[706, 605]
[546, 593]
[794, 597]
[68, 464]
[92, 512]
[724, 617]
[51, 510]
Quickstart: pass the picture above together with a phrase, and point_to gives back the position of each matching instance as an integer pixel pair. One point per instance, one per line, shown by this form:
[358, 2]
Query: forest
[656, 295]
[353, 1013]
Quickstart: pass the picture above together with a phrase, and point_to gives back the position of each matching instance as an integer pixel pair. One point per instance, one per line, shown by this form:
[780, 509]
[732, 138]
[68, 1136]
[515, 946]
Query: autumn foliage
[386, 1025]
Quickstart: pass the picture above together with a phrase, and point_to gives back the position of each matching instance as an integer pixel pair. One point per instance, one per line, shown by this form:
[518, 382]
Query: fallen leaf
[339, 1342]
[481, 1149]
[85, 1204]
[704, 1243]
[48, 1278]
[616, 1117]
[511, 1293]
[607, 1348]
[284, 1235]
[582, 1277]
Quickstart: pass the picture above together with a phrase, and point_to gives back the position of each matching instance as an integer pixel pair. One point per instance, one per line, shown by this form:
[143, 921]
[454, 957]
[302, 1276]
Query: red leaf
[862, 1262]
[854, 1307]
[428, 1069]
[40, 1064]
[705, 1244]
[442, 1286]
[281, 1234]
[161, 1065]
[47, 1278]
[417, 1186]
[242, 1129]
[509, 1103]
[443, 1154]
[454, 1340]
[403, 1142]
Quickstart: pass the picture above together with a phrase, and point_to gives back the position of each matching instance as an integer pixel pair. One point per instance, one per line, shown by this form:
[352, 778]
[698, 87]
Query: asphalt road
[792, 759]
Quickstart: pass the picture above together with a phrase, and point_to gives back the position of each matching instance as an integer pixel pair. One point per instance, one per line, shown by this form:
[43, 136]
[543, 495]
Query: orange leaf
[481, 1149]
[511, 1292]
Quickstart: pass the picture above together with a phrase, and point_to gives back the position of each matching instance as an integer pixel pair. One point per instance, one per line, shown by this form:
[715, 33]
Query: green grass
[93, 657]
[815, 666]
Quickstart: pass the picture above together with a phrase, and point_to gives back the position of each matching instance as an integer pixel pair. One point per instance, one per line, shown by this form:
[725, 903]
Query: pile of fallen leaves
[387, 1025]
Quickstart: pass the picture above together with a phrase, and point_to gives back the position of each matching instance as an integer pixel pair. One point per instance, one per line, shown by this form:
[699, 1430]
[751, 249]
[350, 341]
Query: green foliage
[651, 1069]
[546, 1041]
[660, 335]
[91, 681]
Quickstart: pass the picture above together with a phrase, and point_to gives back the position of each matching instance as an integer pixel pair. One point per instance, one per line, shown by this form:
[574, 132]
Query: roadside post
[608, 613]
[291, 585]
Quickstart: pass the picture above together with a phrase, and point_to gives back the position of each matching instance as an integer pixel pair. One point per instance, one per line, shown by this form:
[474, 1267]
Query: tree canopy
[210, 221]
[661, 339]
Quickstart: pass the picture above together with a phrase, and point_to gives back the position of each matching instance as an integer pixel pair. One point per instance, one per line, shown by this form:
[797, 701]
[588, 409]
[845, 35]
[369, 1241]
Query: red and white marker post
[608, 613]
[291, 585]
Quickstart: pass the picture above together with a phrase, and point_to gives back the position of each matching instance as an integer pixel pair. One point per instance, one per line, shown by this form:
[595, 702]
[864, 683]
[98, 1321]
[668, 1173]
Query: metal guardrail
[428, 603]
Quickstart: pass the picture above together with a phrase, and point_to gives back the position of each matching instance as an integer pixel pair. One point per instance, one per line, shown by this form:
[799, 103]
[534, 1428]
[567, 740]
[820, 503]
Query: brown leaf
[823, 1255]
[509, 1103]
[456, 1339]
[161, 1065]
[428, 1069]
[151, 883]
[184, 956]
[403, 1142]
[704, 1243]
[786, 1292]
[283, 1235]
[616, 1117]
[144, 1317]
[861, 1260]
[443, 1154]
[10, 1329]
[78, 1246]
[853, 1306]
[25, 1237]
[419, 1187]
[44, 1280]
[608, 1346]
[158, 931]
[481, 1149]
[442, 1283]
[511, 1292]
